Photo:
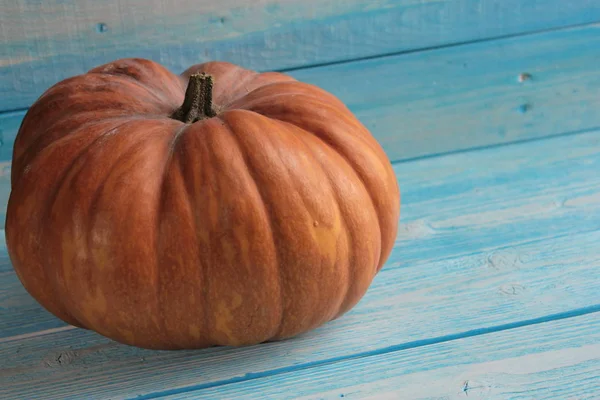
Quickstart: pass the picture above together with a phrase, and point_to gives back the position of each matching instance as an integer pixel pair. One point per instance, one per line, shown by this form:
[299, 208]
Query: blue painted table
[488, 110]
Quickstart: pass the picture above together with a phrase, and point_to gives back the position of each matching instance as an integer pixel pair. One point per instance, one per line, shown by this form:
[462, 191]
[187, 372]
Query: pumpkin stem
[197, 104]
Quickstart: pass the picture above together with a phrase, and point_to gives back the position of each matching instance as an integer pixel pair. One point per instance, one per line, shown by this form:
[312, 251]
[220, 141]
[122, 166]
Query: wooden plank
[489, 238]
[461, 97]
[555, 360]
[473, 100]
[52, 362]
[20, 314]
[47, 41]
[9, 126]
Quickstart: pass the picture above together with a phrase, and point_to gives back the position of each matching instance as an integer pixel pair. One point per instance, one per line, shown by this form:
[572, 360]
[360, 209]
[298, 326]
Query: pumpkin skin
[258, 224]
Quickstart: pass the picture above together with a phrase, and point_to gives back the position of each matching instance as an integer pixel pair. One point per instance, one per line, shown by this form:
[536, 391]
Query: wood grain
[9, 126]
[555, 360]
[46, 41]
[460, 97]
[489, 238]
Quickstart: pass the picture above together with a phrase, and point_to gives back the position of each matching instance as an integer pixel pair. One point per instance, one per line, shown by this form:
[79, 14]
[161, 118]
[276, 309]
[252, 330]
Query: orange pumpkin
[217, 207]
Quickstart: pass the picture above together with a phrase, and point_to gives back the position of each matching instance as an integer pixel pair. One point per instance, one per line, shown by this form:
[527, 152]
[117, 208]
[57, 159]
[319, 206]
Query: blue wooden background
[395, 63]
[489, 110]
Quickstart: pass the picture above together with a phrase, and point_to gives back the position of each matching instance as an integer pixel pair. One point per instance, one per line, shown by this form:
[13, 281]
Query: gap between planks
[496, 145]
[391, 349]
[557, 359]
[433, 48]
[36, 334]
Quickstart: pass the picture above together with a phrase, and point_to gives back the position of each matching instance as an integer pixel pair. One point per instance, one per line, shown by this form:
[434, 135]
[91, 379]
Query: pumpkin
[217, 207]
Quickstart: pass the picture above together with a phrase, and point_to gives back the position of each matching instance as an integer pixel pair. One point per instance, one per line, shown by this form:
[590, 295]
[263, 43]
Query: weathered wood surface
[43, 42]
[9, 126]
[490, 239]
[455, 98]
[492, 288]
[554, 360]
